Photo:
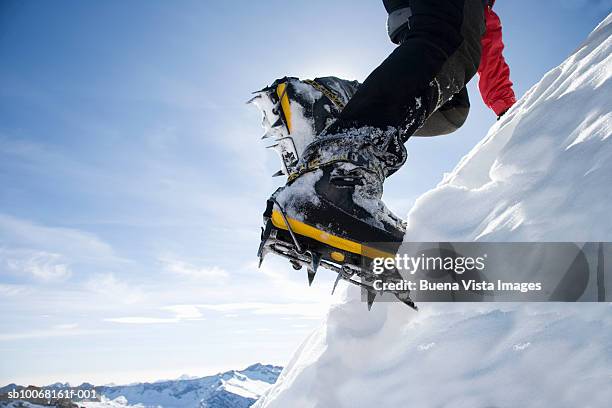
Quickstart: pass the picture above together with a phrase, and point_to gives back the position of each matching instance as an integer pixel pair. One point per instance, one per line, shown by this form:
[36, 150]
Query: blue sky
[132, 177]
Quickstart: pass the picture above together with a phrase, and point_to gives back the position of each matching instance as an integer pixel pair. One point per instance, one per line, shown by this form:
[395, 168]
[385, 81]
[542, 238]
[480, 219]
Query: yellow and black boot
[330, 212]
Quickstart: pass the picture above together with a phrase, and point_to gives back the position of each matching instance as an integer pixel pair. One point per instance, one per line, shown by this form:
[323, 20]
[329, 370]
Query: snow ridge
[541, 172]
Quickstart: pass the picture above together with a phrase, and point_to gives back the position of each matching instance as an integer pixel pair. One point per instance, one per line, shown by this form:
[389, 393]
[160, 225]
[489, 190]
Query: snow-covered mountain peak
[230, 389]
[267, 373]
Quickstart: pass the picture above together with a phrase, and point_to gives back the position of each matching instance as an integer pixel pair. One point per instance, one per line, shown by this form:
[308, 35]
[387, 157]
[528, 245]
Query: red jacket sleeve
[495, 85]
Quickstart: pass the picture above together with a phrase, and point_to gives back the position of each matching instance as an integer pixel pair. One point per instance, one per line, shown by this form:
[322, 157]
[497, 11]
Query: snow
[302, 192]
[542, 171]
[541, 174]
[229, 389]
[245, 387]
[452, 355]
[119, 402]
[19, 404]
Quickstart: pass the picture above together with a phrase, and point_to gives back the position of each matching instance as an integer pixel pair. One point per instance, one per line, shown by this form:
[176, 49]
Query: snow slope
[541, 174]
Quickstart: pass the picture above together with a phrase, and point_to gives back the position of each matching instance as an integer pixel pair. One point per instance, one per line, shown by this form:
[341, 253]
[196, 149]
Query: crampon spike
[371, 296]
[311, 276]
[314, 265]
[278, 123]
[265, 234]
[253, 99]
[262, 254]
[405, 299]
[278, 174]
[338, 278]
[316, 260]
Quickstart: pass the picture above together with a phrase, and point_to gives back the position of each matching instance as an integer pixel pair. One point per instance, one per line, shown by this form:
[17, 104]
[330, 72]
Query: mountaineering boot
[338, 184]
[330, 212]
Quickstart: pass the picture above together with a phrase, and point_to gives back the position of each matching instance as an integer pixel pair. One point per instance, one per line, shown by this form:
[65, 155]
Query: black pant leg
[439, 53]
[448, 118]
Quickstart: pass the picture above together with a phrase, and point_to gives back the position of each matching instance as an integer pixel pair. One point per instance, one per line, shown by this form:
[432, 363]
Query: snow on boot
[330, 213]
[295, 111]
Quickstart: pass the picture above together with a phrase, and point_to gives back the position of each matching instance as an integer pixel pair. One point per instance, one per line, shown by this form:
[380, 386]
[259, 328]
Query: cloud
[141, 320]
[190, 312]
[66, 326]
[181, 313]
[72, 243]
[303, 310]
[40, 265]
[183, 268]
[7, 290]
[48, 333]
[193, 312]
[107, 285]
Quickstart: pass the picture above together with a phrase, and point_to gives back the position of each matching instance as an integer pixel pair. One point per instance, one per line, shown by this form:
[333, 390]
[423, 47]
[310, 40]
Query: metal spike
[274, 146]
[405, 298]
[262, 254]
[311, 276]
[265, 234]
[278, 174]
[338, 278]
[278, 123]
[315, 261]
[260, 251]
[253, 99]
[371, 296]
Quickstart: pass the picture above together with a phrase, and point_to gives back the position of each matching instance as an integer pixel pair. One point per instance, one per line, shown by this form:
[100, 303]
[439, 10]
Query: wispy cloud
[40, 265]
[208, 273]
[190, 312]
[48, 333]
[57, 240]
[303, 310]
[66, 326]
[109, 286]
[181, 313]
[141, 320]
[7, 290]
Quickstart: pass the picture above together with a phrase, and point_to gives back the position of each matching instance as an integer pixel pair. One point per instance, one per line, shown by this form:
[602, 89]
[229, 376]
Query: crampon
[330, 216]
